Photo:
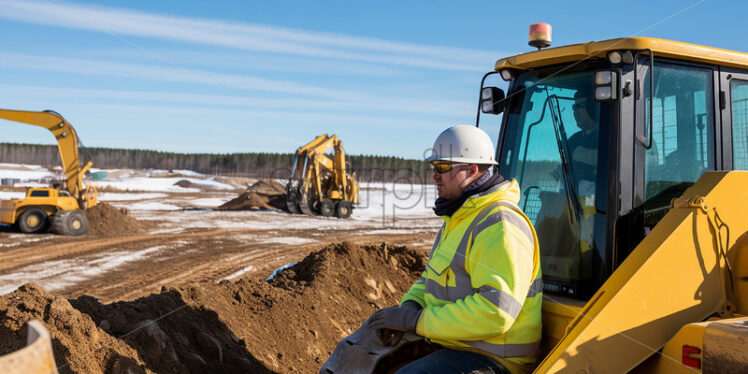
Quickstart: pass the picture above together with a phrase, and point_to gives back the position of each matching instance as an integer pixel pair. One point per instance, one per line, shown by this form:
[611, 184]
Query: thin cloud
[164, 74]
[421, 107]
[258, 62]
[246, 36]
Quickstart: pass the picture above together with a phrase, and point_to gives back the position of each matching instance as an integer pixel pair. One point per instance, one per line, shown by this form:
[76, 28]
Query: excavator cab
[604, 138]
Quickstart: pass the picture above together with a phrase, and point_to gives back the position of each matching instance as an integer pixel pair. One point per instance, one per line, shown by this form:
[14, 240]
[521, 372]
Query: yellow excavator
[320, 185]
[631, 156]
[63, 210]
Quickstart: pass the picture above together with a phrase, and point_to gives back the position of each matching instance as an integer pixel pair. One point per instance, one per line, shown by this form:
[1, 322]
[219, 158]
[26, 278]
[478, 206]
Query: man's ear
[474, 170]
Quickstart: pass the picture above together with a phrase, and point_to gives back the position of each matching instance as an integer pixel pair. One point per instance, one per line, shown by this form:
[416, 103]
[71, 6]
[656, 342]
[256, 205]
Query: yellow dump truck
[320, 185]
[62, 211]
[631, 156]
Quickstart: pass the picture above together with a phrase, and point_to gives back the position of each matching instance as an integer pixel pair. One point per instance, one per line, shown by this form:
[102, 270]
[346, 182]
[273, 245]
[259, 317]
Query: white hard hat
[463, 144]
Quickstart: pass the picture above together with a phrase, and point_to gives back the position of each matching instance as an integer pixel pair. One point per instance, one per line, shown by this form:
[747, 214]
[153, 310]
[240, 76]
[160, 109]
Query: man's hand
[394, 318]
[390, 337]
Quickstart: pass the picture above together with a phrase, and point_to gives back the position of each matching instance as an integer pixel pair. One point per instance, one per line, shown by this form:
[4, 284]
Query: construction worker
[479, 299]
[583, 144]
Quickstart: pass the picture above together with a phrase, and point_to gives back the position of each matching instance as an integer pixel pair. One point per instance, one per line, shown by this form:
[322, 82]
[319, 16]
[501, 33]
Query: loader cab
[602, 136]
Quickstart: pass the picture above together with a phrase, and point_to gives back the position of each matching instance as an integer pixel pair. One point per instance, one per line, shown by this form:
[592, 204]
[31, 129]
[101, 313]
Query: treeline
[255, 165]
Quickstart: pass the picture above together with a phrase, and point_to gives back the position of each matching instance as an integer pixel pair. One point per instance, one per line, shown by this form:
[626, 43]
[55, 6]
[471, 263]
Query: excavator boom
[67, 142]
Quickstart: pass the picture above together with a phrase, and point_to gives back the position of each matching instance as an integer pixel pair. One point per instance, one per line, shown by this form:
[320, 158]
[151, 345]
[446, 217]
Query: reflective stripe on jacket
[482, 287]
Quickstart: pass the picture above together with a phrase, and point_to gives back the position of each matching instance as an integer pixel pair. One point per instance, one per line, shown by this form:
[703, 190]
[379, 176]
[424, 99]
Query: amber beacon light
[540, 35]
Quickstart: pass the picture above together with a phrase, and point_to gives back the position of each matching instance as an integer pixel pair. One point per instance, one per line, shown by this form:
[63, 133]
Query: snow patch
[237, 273]
[151, 206]
[287, 240]
[7, 195]
[208, 202]
[114, 196]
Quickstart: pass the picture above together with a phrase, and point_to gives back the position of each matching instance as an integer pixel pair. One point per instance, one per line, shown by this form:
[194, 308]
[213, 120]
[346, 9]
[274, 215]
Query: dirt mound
[79, 346]
[288, 324]
[107, 220]
[268, 187]
[189, 184]
[264, 194]
[172, 333]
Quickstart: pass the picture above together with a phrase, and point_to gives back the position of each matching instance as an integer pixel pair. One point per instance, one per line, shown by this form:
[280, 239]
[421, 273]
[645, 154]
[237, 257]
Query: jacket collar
[507, 190]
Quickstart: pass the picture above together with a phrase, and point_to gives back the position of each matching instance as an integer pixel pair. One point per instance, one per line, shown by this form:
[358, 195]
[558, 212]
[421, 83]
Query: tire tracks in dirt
[18, 257]
[189, 257]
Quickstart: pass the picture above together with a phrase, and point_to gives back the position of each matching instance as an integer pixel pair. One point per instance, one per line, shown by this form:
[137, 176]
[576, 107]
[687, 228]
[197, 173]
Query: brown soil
[79, 346]
[288, 324]
[264, 194]
[106, 220]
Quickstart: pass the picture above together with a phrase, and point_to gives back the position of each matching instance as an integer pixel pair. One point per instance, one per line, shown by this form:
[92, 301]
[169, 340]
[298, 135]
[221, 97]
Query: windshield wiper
[561, 141]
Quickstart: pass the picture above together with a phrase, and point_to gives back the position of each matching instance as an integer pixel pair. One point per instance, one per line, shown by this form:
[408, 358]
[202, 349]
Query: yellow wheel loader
[320, 185]
[631, 156]
[62, 211]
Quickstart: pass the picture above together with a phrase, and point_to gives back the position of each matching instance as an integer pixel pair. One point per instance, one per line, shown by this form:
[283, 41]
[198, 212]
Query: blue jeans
[451, 361]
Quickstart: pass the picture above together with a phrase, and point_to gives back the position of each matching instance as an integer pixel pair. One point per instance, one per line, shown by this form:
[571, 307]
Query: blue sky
[261, 76]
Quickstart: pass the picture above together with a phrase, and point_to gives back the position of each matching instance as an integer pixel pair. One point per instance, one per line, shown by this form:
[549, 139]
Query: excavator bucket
[35, 358]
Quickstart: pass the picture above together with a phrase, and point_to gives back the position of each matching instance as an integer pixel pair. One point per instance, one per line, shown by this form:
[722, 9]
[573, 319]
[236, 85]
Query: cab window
[551, 144]
[739, 108]
[682, 134]
[39, 193]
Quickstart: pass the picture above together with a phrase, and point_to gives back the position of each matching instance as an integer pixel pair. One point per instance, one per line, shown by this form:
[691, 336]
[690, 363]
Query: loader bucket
[35, 358]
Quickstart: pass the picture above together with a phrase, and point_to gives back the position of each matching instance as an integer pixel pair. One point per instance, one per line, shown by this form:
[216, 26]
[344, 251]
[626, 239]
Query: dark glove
[412, 305]
[395, 318]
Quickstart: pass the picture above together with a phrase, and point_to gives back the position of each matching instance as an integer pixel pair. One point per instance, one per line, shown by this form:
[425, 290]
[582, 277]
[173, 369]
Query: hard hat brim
[461, 160]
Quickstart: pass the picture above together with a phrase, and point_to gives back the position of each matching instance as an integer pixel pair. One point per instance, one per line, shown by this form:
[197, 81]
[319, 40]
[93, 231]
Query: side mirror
[492, 100]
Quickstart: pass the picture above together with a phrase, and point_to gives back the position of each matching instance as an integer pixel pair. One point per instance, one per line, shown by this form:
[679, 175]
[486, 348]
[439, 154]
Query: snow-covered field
[145, 193]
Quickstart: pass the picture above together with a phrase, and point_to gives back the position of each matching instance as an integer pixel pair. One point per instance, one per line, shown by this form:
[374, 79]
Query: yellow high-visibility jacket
[482, 288]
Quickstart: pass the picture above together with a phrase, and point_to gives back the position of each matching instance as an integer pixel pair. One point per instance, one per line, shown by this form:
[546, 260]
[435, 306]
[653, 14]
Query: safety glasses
[443, 167]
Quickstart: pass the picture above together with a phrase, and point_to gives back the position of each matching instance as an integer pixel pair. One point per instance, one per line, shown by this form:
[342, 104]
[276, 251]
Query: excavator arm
[297, 170]
[67, 143]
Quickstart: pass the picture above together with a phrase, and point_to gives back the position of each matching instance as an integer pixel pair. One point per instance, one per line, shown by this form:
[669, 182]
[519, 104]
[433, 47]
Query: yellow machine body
[677, 276]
